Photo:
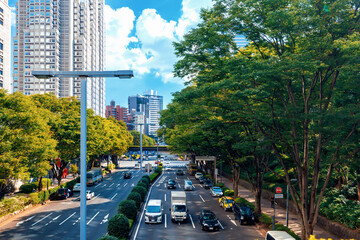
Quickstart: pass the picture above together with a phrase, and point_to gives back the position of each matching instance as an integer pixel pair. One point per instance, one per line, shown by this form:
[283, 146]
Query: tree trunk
[40, 186]
[358, 190]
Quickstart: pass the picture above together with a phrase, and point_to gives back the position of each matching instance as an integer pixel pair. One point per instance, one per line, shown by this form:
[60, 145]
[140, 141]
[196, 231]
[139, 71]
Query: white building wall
[5, 45]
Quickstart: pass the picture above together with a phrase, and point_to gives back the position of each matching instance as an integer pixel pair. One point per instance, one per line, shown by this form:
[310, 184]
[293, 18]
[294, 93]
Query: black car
[202, 179]
[243, 213]
[208, 184]
[127, 175]
[209, 221]
[61, 193]
[171, 183]
[179, 172]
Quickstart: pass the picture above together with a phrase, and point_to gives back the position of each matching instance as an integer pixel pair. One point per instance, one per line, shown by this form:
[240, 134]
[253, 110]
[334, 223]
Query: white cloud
[150, 49]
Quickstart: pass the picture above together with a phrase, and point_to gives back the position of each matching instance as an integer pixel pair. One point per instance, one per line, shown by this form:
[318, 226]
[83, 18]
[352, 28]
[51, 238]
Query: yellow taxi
[226, 203]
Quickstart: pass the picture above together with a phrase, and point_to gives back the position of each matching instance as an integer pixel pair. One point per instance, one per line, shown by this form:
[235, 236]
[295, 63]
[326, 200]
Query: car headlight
[206, 225]
[242, 217]
[253, 218]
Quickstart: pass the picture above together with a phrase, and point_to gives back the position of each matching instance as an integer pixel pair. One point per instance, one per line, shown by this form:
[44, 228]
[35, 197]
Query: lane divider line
[221, 225]
[201, 198]
[92, 218]
[96, 196]
[125, 184]
[41, 219]
[67, 218]
[165, 221]
[233, 222]
[165, 197]
[114, 196]
[192, 221]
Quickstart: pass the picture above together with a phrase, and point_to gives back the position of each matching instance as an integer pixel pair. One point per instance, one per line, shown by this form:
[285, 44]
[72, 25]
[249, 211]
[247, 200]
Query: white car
[154, 211]
[167, 168]
[198, 175]
[76, 187]
[89, 194]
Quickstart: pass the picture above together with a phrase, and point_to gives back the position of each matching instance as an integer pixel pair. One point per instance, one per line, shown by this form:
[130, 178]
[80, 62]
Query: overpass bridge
[162, 149]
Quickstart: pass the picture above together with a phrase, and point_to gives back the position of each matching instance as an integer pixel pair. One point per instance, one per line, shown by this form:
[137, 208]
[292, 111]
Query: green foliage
[128, 208]
[136, 197]
[219, 184]
[28, 187]
[34, 198]
[143, 184]
[43, 195]
[158, 169]
[146, 140]
[146, 177]
[140, 190]
[108, 237]
[118, 226]
[241, 200]
[266, 219]
[229, 193]
[74, 168]
[154, 176]
[280, 227]
[224, 189]
[10, 205]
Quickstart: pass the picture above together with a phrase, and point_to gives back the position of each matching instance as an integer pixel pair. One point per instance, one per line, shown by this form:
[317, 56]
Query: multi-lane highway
[60, 219]
[197, 200]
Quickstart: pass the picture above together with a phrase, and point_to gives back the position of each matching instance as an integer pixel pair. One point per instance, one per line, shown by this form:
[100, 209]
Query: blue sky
[139, 36]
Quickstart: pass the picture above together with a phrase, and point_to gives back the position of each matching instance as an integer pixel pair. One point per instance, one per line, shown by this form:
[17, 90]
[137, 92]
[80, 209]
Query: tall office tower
[5, 45]
[60, 35]
[117, 112]
[150, 104]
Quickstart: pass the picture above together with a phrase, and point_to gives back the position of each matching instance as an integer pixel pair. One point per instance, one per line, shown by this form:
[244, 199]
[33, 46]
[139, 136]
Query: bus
[93, 177]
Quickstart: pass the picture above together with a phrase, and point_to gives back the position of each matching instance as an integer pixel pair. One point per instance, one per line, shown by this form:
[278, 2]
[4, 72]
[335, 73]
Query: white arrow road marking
[202, 198]
[19, 223]
[125, 184]
[67, 218]
[233, 222]
[192, 222]
[114, 196]
[41, 219]
[52, 220]
[105, 219]
[111, 184]
[92, 218]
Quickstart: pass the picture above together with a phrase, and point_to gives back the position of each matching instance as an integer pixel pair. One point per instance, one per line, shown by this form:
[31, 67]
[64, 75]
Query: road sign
[278, 190]
[279, 195]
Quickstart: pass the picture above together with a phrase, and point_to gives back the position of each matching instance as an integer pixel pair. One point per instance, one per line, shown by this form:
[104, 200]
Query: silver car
[188, 185]
[216, 192]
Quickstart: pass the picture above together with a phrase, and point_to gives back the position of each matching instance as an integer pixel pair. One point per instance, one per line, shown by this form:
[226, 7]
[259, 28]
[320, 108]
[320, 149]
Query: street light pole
[141, 148]
[287, 201]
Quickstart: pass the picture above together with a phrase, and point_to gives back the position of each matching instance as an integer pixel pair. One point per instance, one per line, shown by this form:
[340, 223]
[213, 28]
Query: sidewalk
[294, 221]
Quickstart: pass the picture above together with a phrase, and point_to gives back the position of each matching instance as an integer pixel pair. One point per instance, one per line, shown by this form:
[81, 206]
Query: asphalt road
[60, 219]
[197, 200]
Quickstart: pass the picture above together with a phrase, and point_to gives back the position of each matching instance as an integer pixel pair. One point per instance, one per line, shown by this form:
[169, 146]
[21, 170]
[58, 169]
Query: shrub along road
[197, 200]
[60, 219]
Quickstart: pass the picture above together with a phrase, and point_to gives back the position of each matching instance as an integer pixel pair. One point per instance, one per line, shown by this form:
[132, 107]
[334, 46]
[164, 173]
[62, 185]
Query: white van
[278, 235]
[154, 211]
[188, 185]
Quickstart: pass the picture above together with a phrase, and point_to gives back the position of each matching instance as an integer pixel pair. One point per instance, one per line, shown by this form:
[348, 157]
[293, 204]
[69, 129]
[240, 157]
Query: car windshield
[153, 209]
[246, 211]
[209, 216]
[171, 182]
[179, 208]
[189, 183]
[217, 189]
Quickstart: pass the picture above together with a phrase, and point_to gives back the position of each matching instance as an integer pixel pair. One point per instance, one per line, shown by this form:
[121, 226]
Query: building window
[1, 10]
[1, 46]
[1, 72]
[1, 22]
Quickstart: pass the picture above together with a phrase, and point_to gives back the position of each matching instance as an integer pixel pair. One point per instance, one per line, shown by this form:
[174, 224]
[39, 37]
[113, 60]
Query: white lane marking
[164, 185]
[179, 185]
[194, 185]
[104, 185]
[67, 218]
[165, 197]
[96, 196]
[111, 184]
[221, 225]
[52, 220]
[143, 211]
[114, 196]
[21, 222]
[176, 178]
[92, 218]
[165, 221]
[76, 221]
[41, 219]
[192, 222]
[97, 185]
[105, 219]
[133, 184]
[118, 185]
[233, 222]
[202, 198]
[125, 184]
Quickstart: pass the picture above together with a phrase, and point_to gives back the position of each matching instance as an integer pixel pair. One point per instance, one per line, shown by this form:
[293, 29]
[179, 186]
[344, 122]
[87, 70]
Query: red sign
[278, 190]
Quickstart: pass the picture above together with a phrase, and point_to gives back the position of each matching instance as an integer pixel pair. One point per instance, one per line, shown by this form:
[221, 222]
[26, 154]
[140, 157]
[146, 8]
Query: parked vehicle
[154, 211]
[178, 206]
[76, 187]
[61, 193]
[209, 221]
[167, 168]
[278, 235]
[127, 175]
[94, 176]
[243, 213]
[171, 184]
[226, 203]
[179, 172]
[216, 192]
[198, 175]
[201, 179]
[188, 185]
[89, 194]
[137, 166]
[208, 184]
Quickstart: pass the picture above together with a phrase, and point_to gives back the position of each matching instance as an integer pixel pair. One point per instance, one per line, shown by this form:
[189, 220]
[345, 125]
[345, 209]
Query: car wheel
[241, 222]
[202, 227]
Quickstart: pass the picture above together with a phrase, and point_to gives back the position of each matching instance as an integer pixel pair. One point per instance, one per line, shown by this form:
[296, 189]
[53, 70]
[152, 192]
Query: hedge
[136, 197]
[141, 190]
[128, 208]
[10, 205]
[142, 184]
[108, 237]
[118, 226]
[145, 181]
[219, 185]
[229, 193]
[28, 187]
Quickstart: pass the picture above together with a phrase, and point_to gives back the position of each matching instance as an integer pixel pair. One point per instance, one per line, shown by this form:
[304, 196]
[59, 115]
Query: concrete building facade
[117, 112]
[5, 45]
[60, 35]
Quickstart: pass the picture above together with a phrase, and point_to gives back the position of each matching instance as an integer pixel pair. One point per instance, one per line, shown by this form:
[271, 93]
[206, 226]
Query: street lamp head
[42, 74]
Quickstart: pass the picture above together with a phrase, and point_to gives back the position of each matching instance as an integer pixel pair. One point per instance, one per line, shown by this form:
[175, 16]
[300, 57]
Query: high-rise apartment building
[60, 35]
[5, 45]
[117, 112]
[150, 104]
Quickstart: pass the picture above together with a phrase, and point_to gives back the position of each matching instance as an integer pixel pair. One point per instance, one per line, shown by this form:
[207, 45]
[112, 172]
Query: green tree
[146, 141]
